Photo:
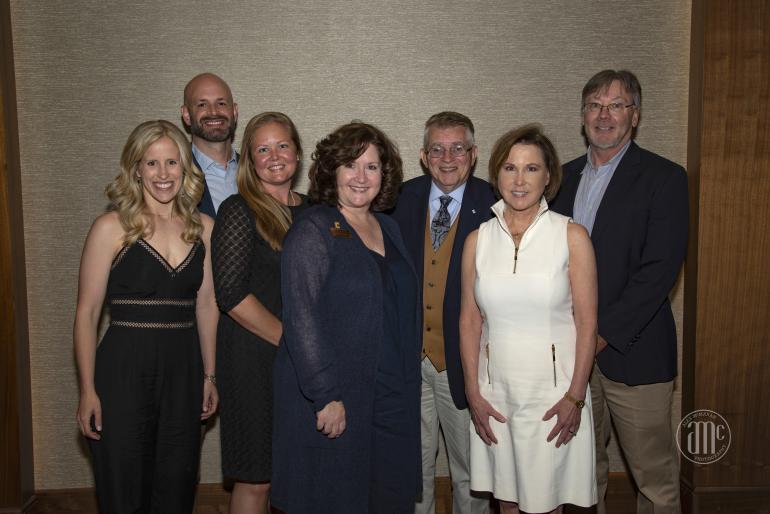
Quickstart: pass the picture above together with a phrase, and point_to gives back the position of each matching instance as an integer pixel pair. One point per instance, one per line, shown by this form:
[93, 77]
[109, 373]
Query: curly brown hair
[345, 145]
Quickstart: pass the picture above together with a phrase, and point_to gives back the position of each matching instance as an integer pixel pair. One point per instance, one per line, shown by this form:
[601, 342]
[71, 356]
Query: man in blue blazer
[435, 213]
[211, 116]
[634, 204]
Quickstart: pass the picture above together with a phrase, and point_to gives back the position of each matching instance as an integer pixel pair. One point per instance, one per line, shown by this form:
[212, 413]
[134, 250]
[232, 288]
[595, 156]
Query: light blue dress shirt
[592, 187]
[434, 202]
[219, 179]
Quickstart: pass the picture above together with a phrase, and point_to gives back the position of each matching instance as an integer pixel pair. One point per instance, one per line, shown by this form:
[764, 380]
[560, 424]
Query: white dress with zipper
[526, 360]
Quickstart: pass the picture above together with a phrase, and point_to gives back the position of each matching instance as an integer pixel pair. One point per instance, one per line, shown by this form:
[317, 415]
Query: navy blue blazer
[640, 239]
[333, 314]
[410, 213]
[206, 205]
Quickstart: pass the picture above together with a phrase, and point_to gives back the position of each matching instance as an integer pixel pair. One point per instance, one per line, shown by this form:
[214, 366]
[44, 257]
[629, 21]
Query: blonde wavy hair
[126, 194]
[273, 218]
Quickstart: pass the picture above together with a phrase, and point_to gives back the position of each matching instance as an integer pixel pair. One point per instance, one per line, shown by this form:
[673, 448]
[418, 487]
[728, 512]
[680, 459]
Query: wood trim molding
[716, 500]
[16, 459]
[214, 498]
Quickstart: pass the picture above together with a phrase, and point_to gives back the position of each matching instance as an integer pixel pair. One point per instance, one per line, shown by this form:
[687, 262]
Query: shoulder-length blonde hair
[273, 218]
[126, 194]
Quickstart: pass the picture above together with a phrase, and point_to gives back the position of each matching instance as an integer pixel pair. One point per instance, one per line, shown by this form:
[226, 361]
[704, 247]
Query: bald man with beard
[211, 116]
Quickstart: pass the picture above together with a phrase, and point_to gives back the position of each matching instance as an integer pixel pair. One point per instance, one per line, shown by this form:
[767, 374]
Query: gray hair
[448, 119]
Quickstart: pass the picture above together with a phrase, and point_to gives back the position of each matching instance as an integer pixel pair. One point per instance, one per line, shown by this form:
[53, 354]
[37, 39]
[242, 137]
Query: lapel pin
[338, 231]
[473, 211]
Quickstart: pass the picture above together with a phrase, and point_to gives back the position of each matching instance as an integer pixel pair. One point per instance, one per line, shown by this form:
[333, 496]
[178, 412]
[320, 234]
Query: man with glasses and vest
[435, 213]
[211, 116]
[634, 204]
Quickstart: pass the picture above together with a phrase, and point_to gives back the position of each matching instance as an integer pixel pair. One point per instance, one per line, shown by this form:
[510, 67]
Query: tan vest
[435, 267]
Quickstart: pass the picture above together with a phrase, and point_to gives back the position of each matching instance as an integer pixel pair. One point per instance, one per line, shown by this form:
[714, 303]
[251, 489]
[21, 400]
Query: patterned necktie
[439, 227]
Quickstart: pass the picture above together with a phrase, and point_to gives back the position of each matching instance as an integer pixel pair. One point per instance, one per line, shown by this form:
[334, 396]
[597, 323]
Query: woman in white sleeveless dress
[528, 337]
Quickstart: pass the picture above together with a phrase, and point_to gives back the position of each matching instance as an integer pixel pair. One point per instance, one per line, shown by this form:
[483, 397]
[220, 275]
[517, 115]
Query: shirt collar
[207, 162]
[612, 163]
[498, 209]
[436, 193]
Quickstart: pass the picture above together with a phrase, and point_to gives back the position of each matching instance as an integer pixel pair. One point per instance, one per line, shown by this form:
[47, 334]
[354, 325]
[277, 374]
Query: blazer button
[427, 329]
[428, 307]
[433, 261]
[430, 284]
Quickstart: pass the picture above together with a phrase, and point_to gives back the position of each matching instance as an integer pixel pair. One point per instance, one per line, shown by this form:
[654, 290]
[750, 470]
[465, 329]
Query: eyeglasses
[438, 151]
[613, 108]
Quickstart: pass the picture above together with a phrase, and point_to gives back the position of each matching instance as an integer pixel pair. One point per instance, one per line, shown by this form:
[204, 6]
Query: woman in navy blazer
[347, 381]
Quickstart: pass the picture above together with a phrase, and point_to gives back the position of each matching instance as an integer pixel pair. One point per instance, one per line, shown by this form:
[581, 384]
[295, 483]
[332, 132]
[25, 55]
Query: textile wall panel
[88, 72]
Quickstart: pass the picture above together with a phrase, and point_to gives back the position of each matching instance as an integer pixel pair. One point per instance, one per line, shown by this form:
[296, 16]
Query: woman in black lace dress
[247, 242]
[145, 389]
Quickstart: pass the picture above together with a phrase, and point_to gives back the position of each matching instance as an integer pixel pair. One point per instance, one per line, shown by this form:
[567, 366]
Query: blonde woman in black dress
[247, 242]
[145, 389]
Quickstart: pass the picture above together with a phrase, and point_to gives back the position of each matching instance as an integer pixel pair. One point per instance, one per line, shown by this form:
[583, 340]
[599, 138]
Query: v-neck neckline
[171, 269]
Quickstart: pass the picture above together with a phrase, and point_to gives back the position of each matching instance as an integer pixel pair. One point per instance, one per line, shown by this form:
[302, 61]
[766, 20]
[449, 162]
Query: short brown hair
[605, 78]
[345, 145]
[448, 119]
[531, 134]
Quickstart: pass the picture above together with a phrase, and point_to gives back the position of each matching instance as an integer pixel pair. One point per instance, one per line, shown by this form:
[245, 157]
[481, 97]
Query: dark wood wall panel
[727, 279]
[16, 473]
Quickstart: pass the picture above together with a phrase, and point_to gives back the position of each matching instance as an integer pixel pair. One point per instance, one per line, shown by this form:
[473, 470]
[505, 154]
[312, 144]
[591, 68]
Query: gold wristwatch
[578, 403]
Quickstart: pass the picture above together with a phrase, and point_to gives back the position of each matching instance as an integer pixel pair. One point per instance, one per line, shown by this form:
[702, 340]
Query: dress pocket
[553, 360]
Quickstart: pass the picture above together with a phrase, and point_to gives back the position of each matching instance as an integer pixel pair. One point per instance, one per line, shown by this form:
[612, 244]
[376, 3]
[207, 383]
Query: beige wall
[88, 72]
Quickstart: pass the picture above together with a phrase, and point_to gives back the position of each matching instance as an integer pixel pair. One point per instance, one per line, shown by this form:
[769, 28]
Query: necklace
[518, 234]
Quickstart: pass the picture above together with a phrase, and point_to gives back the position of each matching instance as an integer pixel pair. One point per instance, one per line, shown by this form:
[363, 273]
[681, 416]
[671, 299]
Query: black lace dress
[243, 264]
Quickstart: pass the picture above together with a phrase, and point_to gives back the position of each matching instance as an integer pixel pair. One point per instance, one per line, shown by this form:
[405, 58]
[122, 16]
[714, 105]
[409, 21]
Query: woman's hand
[90, 407]
[470, 343]
[481, 410]
[331, 419]
[567, 421]
[210, 399]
